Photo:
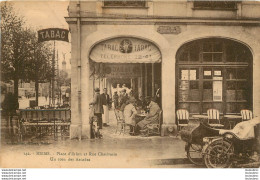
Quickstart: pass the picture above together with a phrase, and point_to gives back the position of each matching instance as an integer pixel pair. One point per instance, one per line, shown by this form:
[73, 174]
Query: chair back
[182, 116]
[160, 118]
[119, 117]
[37, 107]
[213, 116]
[246, 114]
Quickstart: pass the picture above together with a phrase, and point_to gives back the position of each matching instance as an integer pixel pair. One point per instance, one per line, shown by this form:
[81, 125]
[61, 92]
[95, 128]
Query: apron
[105, 116]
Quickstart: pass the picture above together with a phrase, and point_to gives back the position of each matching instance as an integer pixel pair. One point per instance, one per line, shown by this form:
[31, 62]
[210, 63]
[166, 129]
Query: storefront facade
[208, 58]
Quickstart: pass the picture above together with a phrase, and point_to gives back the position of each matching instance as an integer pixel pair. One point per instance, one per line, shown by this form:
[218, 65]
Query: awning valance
[125, 50]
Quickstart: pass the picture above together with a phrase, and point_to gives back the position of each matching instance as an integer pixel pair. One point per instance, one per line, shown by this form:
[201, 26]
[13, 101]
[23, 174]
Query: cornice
[162, 21]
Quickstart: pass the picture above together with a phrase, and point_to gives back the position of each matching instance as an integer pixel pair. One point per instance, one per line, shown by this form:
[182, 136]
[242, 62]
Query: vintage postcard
[130, 84]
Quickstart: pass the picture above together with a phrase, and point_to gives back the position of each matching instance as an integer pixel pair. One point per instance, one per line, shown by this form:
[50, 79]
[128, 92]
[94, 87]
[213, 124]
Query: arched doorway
[124, 65]
[126, 61]
[214, 73]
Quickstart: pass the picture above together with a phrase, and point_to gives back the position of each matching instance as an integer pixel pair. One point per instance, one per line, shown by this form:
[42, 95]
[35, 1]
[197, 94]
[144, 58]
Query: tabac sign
[53, 34]
[125, 50]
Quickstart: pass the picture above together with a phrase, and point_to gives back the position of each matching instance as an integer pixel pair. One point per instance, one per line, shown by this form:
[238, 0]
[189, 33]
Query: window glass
[231, 74]
[242, 73]
[217, 47]
[207, 57]
[194, 52]
[217, 57]
[124, 3]
[215, 4]
[194, 108]
[231, 85]
[207, 47]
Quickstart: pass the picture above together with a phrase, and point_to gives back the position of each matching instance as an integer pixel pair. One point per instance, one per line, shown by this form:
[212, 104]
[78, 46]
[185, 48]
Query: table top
[142, 115]
[233, 116]
[200, 116]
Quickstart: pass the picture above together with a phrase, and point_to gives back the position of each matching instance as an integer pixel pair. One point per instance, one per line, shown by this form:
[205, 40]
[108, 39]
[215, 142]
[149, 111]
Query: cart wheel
[194, 154]
[217, 154]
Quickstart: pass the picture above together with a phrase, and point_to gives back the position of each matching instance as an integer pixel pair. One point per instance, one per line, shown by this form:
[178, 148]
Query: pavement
[114, 150]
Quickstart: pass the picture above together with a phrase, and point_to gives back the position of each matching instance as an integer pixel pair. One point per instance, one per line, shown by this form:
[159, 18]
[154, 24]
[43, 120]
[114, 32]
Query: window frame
[215, 8]
[126, 6]
[224, 66]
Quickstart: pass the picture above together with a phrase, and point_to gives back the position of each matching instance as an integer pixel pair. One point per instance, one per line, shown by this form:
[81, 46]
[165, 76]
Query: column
[145, 80]
[153, 93]
[168, 91]
[75, 127]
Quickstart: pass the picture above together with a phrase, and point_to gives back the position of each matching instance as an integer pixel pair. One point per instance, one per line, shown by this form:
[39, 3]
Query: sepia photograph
[130, 84]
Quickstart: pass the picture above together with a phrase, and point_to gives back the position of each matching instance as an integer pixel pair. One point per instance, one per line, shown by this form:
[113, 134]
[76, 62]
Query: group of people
[127, 106]
[101, 104]
[130, 112]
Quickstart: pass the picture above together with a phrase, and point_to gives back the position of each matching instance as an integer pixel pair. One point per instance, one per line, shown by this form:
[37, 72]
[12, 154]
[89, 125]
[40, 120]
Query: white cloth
[105, 116]
[129, 114]
[244, 130]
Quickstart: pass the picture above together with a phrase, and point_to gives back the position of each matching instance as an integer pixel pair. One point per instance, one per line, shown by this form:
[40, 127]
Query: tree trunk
[37, 90]
[16, 89]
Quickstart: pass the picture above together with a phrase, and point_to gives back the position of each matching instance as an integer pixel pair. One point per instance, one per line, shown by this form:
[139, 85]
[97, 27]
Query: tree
[14, 45]
[21, 56]
[39, 65]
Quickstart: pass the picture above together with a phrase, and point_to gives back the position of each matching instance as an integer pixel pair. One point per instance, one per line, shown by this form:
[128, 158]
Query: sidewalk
[119, 151]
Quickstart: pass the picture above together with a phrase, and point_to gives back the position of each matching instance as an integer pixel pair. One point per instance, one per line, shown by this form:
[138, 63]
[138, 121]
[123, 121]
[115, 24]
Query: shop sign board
[125, 50]
[169, 29]
[53, 34]
[122, 70]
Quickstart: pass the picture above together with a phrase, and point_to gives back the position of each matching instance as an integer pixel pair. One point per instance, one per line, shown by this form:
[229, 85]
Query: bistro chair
[120, 122]
[213, 118]
[155, 128]
[246, 114]
[182, 118]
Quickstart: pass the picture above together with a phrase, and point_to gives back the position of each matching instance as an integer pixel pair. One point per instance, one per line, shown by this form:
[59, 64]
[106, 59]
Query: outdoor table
[200, 116]
[232, 119]
[139, 117]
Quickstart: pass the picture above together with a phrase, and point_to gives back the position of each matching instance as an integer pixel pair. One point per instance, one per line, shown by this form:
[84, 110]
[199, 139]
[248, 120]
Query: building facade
[202, 54]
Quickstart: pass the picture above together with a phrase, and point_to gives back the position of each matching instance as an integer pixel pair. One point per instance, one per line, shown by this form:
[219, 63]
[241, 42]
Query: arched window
[214, 73]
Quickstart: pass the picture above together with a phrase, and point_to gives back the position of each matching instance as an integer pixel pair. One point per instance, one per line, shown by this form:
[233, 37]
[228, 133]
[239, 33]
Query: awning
[125, 50]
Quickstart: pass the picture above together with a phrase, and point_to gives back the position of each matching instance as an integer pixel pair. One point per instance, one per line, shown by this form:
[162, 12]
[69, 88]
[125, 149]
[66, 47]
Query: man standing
[98, 107]
[122, 99]
[116, 100]
[153, 115]
[106, 104]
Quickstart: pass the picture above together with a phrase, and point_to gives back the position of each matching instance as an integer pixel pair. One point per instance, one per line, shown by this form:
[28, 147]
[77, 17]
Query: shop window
[218, 5]
[125, 3]
[214, 73]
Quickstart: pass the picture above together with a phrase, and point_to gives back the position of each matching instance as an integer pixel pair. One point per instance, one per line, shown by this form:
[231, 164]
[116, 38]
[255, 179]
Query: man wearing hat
[152, 117]
[98, 107]
[122, 101]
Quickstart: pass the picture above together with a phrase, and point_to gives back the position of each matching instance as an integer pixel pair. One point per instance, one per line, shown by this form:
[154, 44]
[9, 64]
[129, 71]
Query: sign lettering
[125, 50]
[53, 34]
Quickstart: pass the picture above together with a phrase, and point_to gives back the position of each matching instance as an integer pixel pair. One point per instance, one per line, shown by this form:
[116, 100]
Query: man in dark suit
[98, 107]
[106, 103]
[122, 102]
